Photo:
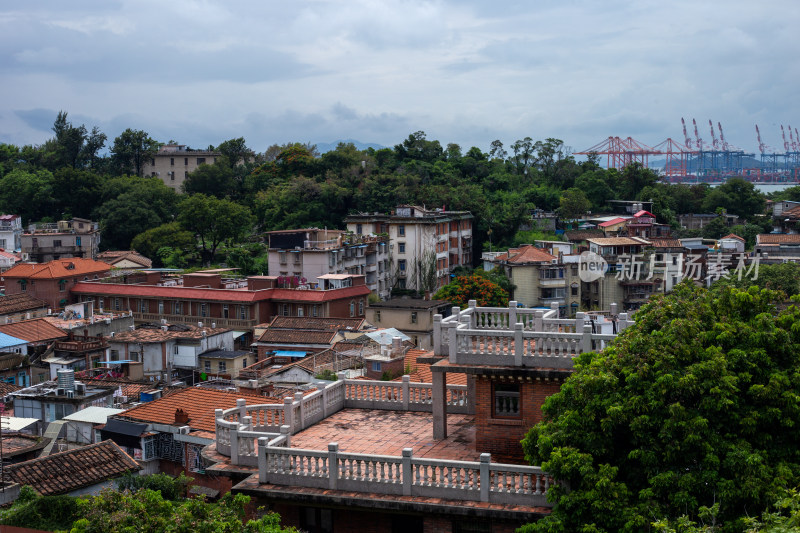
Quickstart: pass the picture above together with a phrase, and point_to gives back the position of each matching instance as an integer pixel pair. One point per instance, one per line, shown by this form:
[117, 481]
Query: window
[401, 230]
[62, 285]
[413, 317]
[144, 306]
[377, 316]
[114, 355]
[172, 161]
[282, 257]
[243, 312]
[401, 247]
[244, 362]
[300, 311]
[285, 309]
[3, 244]
[506, 400]
[117, 304]
[574, 289]
[358, 229]
[101, 302]
[401, 265]
[360, 307]
[225, 311]
[177, 308]
[171, 176]
[352, 308]
[175, 349]
[161, 307]
[376, 366]
[314, 520]
[207, 366]
[314, 310]
[185, 160]
[185, 174]
[57, 243]
[222, 366]
[203, 309]
[201, 160]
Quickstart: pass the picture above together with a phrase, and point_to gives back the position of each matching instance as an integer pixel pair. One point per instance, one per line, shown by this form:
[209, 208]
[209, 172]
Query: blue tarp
[7, 341]
[289, 353]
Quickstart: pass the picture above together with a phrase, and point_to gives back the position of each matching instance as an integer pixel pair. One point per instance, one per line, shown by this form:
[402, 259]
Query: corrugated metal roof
[7, 341]
[93, 415]
[17, 423]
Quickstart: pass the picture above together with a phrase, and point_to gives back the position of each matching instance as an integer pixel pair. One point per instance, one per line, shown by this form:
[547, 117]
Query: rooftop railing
[260, 435]
[522, 337]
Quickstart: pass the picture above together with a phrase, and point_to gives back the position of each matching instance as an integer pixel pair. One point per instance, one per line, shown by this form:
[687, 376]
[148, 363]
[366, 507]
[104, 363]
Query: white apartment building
[312, 252]
[173, 163]
[418, 235]
[10, 232]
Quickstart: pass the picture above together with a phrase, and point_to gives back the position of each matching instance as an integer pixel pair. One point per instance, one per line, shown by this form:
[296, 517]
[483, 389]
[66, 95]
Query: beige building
[417, 237]
[628, 280]
[543, 276]
[412, 316]
[78, 237]
[312, 252]
[173, 163]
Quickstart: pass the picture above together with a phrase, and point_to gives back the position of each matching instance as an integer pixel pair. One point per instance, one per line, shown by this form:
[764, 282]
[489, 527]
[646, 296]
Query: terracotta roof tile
[154, 333]
[612, 222]
[197, 402]
[35, 330]
[64, 472]
[583, 234]
[732, 236]
[666, 243]
[114, 257]
[782, 238]
[316, 323]
[20, 302]
[617, 241]
[60, 268]
[792, 213]
[421, 372]
[7, 388]
[297, 336]
[526, 254]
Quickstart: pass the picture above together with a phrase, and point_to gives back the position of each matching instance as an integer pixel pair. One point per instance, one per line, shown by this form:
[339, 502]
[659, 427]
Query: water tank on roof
[66, 379]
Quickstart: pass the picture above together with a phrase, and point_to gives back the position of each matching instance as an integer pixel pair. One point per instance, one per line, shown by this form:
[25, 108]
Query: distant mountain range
[327, 147]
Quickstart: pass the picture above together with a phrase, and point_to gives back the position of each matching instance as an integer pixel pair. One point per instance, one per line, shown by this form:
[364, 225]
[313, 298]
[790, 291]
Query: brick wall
[501, 436]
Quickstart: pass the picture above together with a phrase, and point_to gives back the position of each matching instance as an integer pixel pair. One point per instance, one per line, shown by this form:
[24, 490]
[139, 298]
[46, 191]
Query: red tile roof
[155, 333]
[299, 337]
[114, 257]
[612, 222]
[644, 213]
[20, 302]
[732, 236]
[58, 269]
[792, 213]
[64, 472]
[35, 330]
[7, 388]
[316, 323]
[526, 254]
[782, 238]
[666, 243]
[198, 403]
[421, 372]
[217, 295]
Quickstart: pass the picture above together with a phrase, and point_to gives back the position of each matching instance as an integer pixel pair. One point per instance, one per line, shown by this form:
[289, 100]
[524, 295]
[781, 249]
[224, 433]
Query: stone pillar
[439, 397]
[263, 476]
[519, 345]
[242, 405]
[472, 394]
[333, 465]
[286, 431]
[486, 458]
[288, 413]
[437, 334]
[586, 339]
[512, 313]
[408, 480]
[301, 424]
[406, 387]
[452, 344]
[538, 321]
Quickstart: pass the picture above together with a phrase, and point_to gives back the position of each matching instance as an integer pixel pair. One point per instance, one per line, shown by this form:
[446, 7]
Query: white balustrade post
[612, 309]
[519, 347]
[512, 313]
[453, 347]
[263, 475]
[586, 338]
[333, 465]
[298, 397]
[439, 399]
[538, 321]
[579, 320]
[406, 390]
[218, 416]
[486, 458]
[241, 404]
[437, 334]
[288, 413]
[623, 322]
[408, 475]
[554, 307]
[234, 433]
[286, 431]
[325, 401]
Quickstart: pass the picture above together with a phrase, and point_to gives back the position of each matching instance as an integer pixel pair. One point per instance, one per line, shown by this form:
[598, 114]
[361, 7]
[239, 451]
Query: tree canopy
[694, 410]
[473, 287]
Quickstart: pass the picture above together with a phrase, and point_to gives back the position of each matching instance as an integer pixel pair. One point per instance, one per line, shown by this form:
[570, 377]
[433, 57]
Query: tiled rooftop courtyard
[378, 432]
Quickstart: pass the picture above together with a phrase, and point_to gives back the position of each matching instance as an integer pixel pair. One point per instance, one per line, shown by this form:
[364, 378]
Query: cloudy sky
[468, 72]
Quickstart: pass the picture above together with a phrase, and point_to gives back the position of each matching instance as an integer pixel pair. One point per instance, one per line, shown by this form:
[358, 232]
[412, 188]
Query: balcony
[289, 448]
[232, 323]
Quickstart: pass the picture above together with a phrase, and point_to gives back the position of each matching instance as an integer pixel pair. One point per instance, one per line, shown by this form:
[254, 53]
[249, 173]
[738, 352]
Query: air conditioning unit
[184, 430]
[60, 392]
[70, 394]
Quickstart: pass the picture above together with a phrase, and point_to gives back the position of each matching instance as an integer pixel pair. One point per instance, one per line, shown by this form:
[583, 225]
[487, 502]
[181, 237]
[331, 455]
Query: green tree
[213, 180]
[235, 151]
[171, 234]
[473, 287]
[131, 150]
[715, 229]
[69, 140]
[27, 194]
[694, 405]
[213, 221]
[573, 203]
[783, 277]
[75, 192]
[47, 513]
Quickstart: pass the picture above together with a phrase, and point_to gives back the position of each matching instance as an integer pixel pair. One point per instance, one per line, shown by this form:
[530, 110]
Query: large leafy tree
[213, 221]
[473, 287]
[693, 412]
[170, 235]
[131, 150]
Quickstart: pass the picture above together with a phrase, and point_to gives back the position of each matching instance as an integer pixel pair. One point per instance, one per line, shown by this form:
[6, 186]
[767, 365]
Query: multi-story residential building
[312, 252]
[173, 163]
[668, 262]
[628, 279]
[10, 232]
[52, 281]
[78, 237]
[421, 239]
[238, 304]
[778, 247]
[412, 316]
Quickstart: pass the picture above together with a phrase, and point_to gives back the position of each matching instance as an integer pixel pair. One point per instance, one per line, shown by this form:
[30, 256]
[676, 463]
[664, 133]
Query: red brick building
[52, 281]
[236, 304]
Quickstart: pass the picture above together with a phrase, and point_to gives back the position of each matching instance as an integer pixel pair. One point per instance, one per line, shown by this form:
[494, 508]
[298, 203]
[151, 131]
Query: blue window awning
[289, 353]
